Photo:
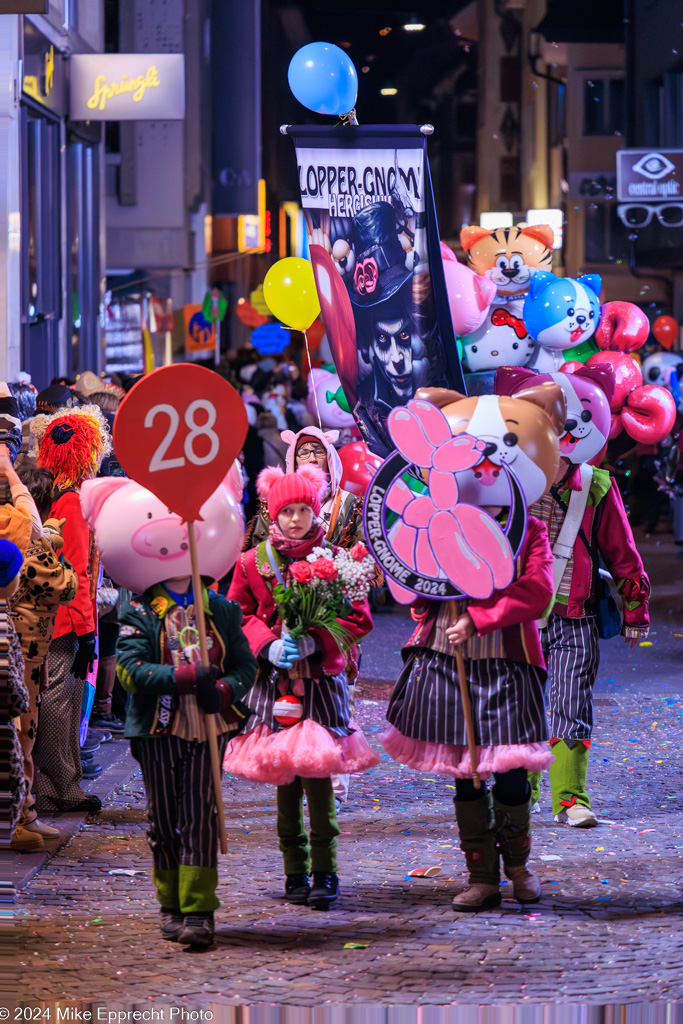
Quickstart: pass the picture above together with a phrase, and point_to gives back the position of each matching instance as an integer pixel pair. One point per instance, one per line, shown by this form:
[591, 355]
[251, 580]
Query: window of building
[604, 102]
[606, 238]
[41, 269]
[83, 271]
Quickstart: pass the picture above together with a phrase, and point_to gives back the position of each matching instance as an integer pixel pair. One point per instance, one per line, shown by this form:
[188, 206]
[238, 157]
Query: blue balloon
[323, 78]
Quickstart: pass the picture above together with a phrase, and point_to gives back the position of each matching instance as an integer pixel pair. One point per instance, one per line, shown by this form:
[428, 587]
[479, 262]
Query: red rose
[325, 569]
[359, 552]
[301, 571]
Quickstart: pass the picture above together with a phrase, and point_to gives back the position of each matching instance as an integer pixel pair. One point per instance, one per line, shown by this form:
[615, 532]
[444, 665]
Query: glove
[224, 691]
[85, 655]
[307, 646]
[208, 696]
[284, 652]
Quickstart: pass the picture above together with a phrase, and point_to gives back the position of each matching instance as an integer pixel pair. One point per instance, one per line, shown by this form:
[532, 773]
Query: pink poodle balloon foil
[141, 543]
[587, 390]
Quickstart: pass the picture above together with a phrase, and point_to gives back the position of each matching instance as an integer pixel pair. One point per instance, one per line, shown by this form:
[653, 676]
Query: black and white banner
[367, 198]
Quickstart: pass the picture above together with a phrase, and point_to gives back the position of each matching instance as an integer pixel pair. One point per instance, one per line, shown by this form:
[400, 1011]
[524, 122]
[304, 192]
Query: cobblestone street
[609, 928]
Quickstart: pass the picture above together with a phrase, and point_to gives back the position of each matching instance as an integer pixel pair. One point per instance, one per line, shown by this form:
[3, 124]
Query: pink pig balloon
[141, 543]
[469, 294]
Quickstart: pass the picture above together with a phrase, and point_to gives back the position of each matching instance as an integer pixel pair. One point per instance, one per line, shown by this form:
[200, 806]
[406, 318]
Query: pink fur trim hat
[305, 487]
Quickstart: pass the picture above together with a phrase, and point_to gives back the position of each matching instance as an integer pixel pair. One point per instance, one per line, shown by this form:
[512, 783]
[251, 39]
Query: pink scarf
[292, 548]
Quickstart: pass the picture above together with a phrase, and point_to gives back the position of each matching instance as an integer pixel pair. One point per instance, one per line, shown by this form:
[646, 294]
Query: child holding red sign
[300, 733]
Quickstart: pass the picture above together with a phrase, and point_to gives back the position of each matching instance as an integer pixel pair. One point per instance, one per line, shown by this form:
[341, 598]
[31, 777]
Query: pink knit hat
[305, 487]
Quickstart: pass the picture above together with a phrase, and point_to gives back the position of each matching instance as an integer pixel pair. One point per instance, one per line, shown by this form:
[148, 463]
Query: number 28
[158, 462]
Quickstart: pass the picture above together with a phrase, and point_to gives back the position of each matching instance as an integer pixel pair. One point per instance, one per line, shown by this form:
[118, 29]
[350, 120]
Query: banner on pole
[368, 205]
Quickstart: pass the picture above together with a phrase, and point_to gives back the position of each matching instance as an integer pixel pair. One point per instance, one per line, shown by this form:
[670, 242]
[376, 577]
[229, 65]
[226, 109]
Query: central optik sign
[649, 175]
[127, 87]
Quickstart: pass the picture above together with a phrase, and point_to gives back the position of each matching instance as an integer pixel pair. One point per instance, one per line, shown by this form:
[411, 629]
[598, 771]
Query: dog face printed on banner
[587, 392]
[509, 257]
[502, 340]
[561, 312]
[141, 543]
[521, 432]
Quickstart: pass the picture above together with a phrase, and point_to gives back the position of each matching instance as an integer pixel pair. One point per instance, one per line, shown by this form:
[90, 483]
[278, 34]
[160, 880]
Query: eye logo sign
[654, 166]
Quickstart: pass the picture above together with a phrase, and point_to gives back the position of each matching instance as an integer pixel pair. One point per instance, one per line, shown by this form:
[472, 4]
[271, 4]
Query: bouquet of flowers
[323, 590]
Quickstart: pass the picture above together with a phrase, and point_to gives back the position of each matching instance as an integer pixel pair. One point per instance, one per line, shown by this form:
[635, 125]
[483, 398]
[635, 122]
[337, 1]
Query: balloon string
[310, 371]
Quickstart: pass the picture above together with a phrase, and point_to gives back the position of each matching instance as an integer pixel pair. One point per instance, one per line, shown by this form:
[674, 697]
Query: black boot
[478, 843]
[197, 930]
[513, 835]
[172, 923]
[325, 890]
[297, 888]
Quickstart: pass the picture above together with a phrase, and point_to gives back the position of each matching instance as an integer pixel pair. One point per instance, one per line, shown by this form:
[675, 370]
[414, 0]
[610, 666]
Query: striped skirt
[427, 724]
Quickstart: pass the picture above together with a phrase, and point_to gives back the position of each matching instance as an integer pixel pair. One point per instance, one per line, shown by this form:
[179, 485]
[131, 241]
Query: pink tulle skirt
[446, 759]
[306, 749]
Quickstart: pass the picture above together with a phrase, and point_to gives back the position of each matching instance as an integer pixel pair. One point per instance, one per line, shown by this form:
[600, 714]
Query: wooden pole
[209, 720]
[466, 706]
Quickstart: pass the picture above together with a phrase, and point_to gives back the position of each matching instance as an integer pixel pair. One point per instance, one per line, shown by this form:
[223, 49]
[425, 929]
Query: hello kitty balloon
[502, 340]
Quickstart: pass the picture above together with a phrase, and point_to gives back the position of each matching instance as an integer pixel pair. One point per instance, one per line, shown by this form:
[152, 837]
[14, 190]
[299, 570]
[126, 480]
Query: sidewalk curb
[17, 869]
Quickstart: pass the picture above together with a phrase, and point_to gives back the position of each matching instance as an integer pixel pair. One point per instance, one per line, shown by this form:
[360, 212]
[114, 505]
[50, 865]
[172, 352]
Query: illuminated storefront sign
[649, 175]
[127, 87]
[44, 78]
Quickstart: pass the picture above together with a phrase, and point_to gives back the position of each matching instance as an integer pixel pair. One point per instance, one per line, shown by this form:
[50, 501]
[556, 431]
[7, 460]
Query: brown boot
[478, 843]
[514, 842]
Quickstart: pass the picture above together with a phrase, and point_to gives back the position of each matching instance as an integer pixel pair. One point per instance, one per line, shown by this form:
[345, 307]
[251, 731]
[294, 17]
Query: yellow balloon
[290, 294]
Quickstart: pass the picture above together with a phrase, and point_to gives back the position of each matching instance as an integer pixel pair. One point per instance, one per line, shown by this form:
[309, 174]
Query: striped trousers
[181, 810]
[572, 651]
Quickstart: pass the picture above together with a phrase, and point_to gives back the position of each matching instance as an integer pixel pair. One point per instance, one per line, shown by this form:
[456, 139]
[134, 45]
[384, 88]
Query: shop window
[556, 113]
[606, 238]
[83, 255]
[603, 106]
[41, 270]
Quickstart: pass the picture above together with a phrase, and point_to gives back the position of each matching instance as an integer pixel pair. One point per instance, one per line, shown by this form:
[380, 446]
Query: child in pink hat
[300, 733]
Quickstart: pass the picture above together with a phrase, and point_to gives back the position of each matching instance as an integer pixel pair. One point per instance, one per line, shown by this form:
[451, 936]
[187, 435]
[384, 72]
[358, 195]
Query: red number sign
[177, 432]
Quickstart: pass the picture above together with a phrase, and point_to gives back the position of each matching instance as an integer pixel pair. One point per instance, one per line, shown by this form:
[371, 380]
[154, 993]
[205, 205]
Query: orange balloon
[665, 330]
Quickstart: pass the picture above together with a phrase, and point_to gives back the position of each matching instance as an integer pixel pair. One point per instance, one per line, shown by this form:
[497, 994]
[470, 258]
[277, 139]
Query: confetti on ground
[423, 872]
[355, 945]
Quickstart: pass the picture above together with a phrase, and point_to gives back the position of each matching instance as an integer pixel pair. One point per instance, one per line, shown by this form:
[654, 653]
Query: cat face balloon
[502, 340]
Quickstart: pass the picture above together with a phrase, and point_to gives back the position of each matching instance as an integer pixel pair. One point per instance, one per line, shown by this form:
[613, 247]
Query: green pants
[291, 830]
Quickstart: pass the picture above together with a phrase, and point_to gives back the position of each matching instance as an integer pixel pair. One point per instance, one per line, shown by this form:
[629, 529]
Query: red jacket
[515, 609]
[78, 617]
[608, 531]
[251, 587]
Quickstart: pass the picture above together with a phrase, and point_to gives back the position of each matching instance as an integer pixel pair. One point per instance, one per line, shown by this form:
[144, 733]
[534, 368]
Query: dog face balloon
[521, 433]
[587, 392]
[561, 312]
[141, 543]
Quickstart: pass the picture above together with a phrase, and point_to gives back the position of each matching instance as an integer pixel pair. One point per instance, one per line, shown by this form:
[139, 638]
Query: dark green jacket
[138, 653]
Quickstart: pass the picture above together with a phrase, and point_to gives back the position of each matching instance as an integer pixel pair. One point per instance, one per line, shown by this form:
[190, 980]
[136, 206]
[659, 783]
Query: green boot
[535, 783]
[513, 836]
[571, 803]
[478, 843]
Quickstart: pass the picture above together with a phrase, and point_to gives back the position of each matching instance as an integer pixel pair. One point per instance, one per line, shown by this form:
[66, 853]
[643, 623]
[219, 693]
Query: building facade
[51, 197]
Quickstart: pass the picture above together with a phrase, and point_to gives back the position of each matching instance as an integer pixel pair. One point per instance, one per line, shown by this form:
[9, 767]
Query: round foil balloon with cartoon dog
[434, 511]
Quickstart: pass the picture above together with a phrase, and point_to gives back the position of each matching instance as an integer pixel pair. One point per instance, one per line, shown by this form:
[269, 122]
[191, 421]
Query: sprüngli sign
[127, 87]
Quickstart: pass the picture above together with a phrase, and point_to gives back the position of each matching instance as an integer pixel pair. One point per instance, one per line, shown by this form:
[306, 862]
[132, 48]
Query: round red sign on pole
[177, 432]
